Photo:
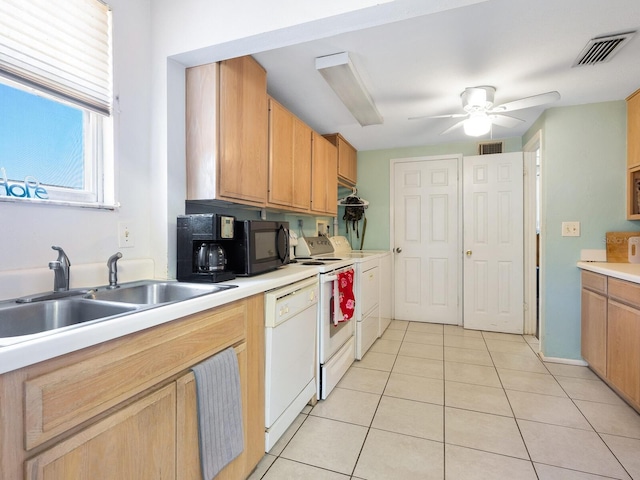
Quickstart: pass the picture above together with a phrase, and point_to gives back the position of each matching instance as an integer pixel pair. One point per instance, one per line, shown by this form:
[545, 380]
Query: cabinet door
[347, 159]
[289, 159]
[135, 442]
[623, 349]
[301, 166]
[281, 159]
[324, 177]
[347, 162]
[242, 172]
[633, 130]
[188, 449]
[594, 330]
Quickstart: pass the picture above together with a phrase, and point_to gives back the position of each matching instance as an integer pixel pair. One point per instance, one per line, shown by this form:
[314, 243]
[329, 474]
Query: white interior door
[426, 239]
[493, 242]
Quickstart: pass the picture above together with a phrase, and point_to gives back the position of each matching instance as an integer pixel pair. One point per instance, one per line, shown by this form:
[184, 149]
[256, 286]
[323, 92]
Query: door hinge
[525, 306]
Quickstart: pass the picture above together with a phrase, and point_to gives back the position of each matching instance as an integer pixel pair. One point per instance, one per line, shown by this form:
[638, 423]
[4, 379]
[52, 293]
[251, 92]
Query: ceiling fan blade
[453, 127]
[527, 102]
[505, 120]
[451, 115]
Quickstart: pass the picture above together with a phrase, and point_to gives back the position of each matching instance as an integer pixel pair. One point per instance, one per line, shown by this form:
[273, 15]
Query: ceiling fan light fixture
[343, 78]
[477, 124]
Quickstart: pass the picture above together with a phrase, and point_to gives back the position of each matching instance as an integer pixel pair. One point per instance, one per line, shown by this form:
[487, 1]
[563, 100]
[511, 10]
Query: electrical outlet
[125, 237]
[570, 229]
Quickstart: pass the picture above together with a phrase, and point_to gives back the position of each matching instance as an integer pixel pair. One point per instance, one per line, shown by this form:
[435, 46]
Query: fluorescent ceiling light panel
[343, 78]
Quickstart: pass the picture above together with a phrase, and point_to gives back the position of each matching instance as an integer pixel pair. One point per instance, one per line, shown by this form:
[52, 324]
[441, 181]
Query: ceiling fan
[480, 113]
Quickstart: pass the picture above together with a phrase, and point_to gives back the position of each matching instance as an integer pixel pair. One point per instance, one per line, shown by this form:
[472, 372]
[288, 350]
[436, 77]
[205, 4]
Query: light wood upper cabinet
[633, 130]
[227, 130]
[289, 160]
[324, 176]
[347, 160]
[633, 156]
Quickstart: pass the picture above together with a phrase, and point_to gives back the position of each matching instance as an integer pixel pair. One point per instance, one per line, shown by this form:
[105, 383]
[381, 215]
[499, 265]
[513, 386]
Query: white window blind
[60, 46]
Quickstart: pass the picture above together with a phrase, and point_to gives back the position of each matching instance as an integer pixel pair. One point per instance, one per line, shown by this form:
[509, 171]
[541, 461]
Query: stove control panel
[310, 246]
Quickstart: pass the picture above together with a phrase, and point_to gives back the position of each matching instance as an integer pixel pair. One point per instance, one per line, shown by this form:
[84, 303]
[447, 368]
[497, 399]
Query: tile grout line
[515, 420]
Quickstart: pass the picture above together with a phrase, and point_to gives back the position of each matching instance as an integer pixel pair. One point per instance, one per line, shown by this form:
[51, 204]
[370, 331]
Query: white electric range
[336, 337]
[373, 287]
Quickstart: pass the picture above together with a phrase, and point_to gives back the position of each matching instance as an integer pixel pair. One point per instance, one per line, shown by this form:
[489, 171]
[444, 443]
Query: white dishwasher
[291, 314]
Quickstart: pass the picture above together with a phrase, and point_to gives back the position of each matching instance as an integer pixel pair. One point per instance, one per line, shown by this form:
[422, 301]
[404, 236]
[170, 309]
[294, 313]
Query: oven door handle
[329, 278]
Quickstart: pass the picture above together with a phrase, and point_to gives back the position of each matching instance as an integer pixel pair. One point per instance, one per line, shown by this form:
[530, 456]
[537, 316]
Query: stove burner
[325, 259]
[313, 263]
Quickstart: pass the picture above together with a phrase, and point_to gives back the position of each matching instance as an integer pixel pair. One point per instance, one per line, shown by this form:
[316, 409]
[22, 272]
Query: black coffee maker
[203, 240]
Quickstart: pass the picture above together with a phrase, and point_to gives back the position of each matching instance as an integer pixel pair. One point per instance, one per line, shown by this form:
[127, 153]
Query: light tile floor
[440, 402]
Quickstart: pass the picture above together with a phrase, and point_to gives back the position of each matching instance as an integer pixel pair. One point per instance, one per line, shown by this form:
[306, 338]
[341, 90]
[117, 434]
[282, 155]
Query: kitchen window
[56, 141]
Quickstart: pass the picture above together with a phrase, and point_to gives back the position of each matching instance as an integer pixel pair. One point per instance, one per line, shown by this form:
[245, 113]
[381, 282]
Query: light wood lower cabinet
[594, 326]
[623, 357]
[125, 408]
[611, 332]
[137, 442]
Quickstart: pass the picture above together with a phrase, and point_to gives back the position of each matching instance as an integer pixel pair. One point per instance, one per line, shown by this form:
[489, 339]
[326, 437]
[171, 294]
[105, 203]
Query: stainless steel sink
[156, 293]
[31, 318]
[41, 314]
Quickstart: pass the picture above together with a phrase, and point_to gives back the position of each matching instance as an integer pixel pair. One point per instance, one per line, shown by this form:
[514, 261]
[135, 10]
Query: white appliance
[336, 343]
[373, 286]
[291, 314]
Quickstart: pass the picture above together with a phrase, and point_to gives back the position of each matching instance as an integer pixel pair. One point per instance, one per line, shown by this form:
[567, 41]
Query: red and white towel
[343, 289]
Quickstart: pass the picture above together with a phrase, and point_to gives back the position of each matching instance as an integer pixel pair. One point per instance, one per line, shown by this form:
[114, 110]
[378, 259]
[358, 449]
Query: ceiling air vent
[488, 148]
[602, 49]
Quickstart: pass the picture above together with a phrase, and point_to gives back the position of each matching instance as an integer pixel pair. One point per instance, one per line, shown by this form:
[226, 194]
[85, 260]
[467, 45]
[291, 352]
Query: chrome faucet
[60, 269]
[113, 270]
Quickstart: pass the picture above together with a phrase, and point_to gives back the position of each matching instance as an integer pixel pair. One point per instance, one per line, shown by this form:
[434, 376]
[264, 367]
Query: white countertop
[623, 271]
[41, 348]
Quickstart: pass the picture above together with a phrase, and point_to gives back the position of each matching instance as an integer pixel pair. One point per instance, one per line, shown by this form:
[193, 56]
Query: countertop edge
[623, 271]
[29, 352]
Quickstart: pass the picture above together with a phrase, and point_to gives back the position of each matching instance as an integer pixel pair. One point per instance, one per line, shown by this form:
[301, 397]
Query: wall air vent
[488, 148]
[602, 49]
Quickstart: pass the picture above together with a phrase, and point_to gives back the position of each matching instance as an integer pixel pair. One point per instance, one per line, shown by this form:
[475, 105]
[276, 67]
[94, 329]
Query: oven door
[332, 336]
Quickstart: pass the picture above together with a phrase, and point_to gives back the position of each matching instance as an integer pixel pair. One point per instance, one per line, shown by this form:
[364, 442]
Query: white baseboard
[565, 361]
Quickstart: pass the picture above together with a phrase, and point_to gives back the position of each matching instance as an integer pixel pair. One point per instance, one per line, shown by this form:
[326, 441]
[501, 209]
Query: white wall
[90, 235]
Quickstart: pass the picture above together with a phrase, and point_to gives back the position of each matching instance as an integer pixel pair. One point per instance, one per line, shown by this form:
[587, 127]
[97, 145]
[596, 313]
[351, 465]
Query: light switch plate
[570, 229]
[125, 236]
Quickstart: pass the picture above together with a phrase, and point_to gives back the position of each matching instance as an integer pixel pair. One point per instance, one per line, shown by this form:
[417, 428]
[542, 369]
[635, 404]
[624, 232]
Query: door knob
[398, 250]
[468, 252]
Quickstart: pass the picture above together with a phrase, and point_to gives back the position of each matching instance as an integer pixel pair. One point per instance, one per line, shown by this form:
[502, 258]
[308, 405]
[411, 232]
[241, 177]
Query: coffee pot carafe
[211, 257]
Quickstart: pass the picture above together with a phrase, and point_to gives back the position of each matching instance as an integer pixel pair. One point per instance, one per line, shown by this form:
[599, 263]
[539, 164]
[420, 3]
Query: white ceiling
[421, 65]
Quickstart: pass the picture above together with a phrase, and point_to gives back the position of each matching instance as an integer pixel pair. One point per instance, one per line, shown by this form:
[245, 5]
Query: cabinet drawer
[79, 387]
[625, 292]
[594, 281]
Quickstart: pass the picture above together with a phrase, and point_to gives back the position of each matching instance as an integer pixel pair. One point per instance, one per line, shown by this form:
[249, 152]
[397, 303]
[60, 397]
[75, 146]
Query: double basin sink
[45, 313]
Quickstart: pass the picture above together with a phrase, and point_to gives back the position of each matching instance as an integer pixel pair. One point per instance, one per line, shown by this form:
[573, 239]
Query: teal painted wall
[373, 182]
[583, 179]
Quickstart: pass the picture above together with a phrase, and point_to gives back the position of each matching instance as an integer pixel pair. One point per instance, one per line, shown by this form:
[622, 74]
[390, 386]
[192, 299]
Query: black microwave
[259, 246]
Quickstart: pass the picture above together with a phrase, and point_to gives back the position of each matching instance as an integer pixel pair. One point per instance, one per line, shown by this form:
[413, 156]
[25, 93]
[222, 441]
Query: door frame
[531, 314]
[392, 164]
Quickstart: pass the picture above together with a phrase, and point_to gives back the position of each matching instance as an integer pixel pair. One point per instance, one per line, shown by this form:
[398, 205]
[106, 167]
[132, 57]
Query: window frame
[98, 163]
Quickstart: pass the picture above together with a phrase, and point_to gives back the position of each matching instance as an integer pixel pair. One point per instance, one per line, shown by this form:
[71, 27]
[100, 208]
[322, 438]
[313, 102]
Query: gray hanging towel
[219, 411]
